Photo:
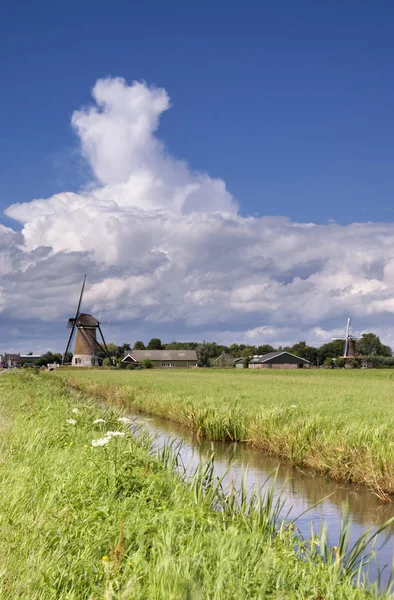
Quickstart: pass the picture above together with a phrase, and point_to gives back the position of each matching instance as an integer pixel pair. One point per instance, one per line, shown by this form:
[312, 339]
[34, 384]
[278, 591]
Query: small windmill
[86, 342]
[350, 341]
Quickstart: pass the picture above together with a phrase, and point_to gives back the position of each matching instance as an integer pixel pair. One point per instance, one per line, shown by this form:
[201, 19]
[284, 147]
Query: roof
[240, 359]
[162, 354]
[266, 357]
[87, 320]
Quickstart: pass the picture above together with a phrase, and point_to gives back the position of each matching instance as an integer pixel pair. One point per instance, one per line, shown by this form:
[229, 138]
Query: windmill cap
[86, 320]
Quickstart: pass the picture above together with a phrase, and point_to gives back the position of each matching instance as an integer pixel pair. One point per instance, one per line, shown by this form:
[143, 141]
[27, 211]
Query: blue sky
[277, 225]
[290, 103]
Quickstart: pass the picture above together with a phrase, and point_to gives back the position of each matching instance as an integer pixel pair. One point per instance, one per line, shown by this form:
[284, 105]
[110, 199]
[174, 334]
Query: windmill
[350, 341]
[86, 342]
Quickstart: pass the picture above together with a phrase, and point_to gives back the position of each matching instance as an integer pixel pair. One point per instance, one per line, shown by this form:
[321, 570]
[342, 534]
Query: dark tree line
[369, 345]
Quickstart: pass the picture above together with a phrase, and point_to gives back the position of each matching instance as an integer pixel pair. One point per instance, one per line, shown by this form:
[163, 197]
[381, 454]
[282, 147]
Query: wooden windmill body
[85, 352]
[86, 343]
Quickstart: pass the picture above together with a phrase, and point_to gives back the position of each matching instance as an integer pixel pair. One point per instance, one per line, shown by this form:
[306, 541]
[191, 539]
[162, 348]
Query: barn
[162, 359]
[278, 360]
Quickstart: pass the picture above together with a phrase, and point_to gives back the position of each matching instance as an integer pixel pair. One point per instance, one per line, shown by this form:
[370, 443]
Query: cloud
[168, 253]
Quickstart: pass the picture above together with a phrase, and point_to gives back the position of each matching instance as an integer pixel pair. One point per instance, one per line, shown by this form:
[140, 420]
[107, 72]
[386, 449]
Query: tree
[180, 346]
[235, 350]
[264, 349]
[147, 364]
[123, 349]
[139, 345]
[67, 358]
[385, 351]
[155, 344]
[48, 357]
[331, 350]
[203, 355]
[241, 350]
[302, 350]
[112, 350]
[370, 345]
[248, 351]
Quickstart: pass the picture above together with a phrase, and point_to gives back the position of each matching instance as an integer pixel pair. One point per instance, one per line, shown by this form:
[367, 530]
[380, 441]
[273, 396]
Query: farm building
[28, 358]
[278, 360]
[12, 359]
[239, 363]
[162, 358]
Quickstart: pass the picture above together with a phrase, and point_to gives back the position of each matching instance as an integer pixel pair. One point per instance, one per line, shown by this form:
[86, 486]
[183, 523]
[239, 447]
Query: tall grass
[119, 520]
[339, 424]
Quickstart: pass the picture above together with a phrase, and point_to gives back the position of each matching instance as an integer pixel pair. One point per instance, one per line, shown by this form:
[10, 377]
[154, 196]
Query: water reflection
[300, 490]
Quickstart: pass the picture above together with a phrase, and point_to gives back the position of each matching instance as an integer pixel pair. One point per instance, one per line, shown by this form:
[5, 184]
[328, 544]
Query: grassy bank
[338, 422]
[111, 520]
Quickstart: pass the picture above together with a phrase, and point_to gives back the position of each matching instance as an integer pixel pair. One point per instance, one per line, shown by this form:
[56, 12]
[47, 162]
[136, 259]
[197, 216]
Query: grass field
[338, 422]
[109, 519]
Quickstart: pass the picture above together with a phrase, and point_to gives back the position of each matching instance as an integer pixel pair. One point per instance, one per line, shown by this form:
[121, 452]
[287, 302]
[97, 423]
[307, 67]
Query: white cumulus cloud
[168, 253]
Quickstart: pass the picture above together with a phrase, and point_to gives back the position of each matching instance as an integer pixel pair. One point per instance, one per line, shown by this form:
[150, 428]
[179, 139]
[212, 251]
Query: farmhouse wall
[174, 364]
[275, 366]
[163, 359]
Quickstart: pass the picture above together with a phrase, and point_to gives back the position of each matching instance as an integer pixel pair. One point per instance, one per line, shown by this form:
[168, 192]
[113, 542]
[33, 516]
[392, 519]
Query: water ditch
[300, 491]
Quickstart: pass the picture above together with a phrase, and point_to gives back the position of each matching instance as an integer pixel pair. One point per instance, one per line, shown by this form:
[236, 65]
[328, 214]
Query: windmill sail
[72, 322]
[350, 341]
[86, 343]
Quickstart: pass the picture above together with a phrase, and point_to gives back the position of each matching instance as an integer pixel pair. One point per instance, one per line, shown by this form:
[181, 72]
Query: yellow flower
[105, 558]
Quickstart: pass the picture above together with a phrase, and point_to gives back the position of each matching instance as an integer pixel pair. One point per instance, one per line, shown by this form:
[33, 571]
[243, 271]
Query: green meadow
[90, 511]
[339, 423]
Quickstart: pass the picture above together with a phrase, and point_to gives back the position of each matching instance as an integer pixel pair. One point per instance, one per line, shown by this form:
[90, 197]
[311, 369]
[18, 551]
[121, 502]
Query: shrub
[146, 364]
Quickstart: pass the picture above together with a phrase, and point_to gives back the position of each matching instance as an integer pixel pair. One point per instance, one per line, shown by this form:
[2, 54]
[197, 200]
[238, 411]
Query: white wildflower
[75, 411]
[100, 442]
[71, 421]
[293, 406]
[124, 420]
[97, 421]
[111, 434]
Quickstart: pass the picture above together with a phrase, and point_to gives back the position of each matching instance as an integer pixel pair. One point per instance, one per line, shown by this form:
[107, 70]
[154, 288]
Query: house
[239, 363]
[162, 358]
[278, 360]
[12, 359]
[28, 358]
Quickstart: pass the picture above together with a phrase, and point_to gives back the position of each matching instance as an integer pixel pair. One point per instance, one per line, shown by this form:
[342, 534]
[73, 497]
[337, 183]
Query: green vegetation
[111, 520]
[337, 422]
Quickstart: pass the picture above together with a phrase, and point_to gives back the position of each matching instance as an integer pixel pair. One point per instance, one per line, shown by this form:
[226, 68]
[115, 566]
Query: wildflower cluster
[107, 438]
[73, 421]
